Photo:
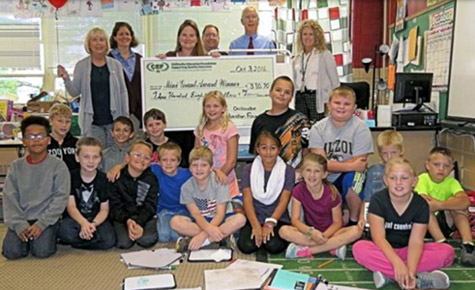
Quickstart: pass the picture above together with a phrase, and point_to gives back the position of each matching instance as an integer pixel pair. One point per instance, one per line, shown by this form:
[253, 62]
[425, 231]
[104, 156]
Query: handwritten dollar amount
[258, 86]
[250, 68]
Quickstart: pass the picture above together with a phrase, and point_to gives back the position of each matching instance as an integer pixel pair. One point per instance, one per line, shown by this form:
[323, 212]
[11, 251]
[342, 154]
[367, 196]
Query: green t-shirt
[440, 191]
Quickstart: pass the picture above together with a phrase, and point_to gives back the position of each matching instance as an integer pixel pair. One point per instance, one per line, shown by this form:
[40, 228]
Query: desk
[10, 150]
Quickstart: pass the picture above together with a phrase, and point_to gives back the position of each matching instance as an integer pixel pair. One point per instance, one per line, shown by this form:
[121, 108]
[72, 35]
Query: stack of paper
[154, 259]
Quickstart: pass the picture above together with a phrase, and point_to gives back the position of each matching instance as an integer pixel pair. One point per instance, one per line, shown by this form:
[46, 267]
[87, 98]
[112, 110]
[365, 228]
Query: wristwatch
[309, 231]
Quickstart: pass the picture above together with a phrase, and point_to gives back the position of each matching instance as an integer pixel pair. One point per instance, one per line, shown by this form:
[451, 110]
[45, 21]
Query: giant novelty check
[177, 87]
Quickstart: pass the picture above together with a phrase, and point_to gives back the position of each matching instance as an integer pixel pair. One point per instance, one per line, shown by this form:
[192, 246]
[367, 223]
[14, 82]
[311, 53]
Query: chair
[362, 93]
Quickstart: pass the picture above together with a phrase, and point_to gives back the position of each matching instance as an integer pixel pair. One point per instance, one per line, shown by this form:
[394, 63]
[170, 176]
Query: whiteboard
[461, 93]
[177, 86]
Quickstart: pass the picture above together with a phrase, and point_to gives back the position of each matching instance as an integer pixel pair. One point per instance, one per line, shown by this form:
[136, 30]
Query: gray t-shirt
[341, 144]
[208, 199]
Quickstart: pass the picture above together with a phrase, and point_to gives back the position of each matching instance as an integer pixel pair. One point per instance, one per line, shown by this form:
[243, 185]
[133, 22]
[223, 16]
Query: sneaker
[380, 279]
[435, 279]
[295, 251]
[340, 252]
[467, 255]
[228, 243]
[181, 245]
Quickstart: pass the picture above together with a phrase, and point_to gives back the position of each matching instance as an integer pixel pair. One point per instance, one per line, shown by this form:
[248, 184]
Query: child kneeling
[321, 204]
[398, 221]
[207, 202]
[86, 226]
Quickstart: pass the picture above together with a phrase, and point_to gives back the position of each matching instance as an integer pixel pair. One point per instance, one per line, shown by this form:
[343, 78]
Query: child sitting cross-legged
[170, 178]
[321, 231]
[133, 199]
[398, 220]
[86, 226]
[446, 197]
[208, 202]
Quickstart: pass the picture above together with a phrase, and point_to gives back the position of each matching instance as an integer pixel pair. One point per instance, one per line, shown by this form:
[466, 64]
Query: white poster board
[462, 67]
[177, 86]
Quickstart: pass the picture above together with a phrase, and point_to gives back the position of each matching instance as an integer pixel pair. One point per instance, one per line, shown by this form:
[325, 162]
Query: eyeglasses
[141, 156]
[39, 136]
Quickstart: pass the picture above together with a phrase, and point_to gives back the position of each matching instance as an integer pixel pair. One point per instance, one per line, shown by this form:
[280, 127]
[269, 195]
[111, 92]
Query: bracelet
[309, 231]
[271, 220]
[269, 225]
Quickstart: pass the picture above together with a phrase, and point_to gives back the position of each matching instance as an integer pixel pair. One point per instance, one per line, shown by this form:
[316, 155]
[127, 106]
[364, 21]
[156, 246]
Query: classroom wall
[463, 150]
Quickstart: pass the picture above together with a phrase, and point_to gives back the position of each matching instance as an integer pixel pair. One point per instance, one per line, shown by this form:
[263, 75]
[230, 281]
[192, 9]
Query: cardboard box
[7, 156]
[39, 107]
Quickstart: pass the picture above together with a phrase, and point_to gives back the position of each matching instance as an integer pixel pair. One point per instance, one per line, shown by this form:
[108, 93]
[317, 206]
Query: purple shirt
[317, 212]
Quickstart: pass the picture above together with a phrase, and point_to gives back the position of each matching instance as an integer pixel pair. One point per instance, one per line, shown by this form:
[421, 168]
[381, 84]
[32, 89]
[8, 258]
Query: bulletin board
[435, 25]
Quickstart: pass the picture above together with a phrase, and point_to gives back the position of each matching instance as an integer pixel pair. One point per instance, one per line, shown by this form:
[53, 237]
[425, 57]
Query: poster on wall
[400, 15]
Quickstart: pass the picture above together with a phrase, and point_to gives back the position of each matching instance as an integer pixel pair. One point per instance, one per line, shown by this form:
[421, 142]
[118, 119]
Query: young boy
[170, 177]
[207, 201]
[444, 192]
[291, 126]
[390, 145]
[133, 199]
[62, 144]
[35, 195]
[122, 132]
[86, 226]
[155, 123]
[345, 140]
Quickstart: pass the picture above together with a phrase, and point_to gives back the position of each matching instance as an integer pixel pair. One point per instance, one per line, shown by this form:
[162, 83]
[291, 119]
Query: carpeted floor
[73, 269]
[350, 273]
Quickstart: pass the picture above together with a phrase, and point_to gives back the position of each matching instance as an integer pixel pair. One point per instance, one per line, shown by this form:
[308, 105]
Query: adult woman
[188, 43]
[122, 40]
[315, 73]
[99, 80]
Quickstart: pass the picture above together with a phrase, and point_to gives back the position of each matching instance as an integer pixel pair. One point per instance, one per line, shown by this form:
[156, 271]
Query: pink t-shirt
[317, 212]
[216, 140]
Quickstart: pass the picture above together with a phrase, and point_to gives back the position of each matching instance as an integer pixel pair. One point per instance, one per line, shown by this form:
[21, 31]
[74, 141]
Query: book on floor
[288, 280]
[160, 281]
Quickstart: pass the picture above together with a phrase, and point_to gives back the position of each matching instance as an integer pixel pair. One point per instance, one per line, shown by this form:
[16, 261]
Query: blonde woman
[217, 132]
[315, 73]
[99, 81]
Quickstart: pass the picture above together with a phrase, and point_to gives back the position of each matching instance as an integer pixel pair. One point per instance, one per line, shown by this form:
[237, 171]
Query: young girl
[217, 132]
[267, 185]
[398, 221]
[321, 203]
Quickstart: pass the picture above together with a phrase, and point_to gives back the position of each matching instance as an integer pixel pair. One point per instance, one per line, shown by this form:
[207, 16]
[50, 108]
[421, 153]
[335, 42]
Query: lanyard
[304, 67]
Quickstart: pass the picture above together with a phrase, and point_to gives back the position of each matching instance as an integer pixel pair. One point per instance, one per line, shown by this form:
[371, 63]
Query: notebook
[287, 280]
[160, 281]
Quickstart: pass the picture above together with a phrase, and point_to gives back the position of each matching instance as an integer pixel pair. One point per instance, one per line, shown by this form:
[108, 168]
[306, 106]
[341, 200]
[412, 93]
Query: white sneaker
[380, 279]
[340, 252]
[435, 279]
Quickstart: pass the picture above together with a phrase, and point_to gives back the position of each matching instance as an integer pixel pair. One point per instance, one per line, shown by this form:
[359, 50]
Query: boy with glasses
[133, 199]
[36, 193]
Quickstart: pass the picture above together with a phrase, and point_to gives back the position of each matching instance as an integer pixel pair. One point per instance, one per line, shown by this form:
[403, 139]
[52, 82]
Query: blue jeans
[103, 133]
[148, 239]
[104, 237]
[165, 232]
[43, 247]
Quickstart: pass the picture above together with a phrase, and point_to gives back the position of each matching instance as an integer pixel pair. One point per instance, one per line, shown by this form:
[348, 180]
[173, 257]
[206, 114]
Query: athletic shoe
[380, 279]
[295, 251]
[467, 255]
[181, 245]
[340, 252]
[435, 279]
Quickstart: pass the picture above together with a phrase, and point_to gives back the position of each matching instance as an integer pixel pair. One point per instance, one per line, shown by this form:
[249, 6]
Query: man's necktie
[250, 46]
